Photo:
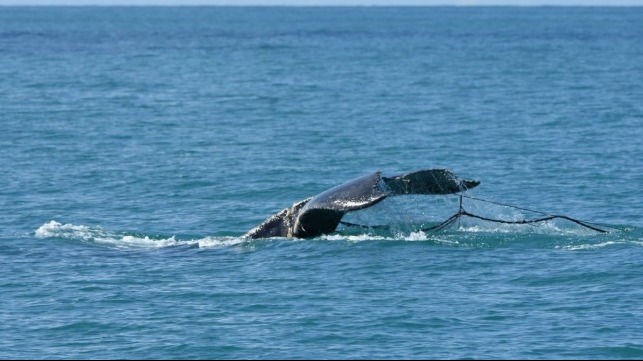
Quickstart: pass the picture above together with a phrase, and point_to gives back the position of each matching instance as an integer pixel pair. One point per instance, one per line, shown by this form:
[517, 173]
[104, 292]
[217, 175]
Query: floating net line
[462, 212]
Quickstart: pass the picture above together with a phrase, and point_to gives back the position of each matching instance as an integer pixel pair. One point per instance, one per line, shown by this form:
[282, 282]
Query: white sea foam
[355, 238]
[417, 236]
[544, 228]
[56, 229]
[98, 235]
[589, 246]
[412, 236]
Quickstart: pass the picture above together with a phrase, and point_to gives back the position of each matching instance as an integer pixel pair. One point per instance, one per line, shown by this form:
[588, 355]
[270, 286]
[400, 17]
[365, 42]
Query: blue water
[139, 144]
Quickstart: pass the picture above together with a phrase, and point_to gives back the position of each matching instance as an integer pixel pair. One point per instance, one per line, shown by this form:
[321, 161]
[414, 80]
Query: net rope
[462, 212]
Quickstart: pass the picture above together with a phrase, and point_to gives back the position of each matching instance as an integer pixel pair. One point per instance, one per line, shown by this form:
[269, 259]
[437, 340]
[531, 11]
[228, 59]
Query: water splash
[98, 235]
[462, 236]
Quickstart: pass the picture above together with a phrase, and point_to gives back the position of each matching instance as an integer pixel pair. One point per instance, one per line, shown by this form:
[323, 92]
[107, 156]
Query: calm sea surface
[139, 144]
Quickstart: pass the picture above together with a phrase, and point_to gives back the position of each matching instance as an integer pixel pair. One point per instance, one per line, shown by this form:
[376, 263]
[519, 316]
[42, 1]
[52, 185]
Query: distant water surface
[140, 143]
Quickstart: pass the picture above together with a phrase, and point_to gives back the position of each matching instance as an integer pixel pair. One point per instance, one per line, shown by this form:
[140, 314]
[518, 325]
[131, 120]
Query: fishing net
[414, 215]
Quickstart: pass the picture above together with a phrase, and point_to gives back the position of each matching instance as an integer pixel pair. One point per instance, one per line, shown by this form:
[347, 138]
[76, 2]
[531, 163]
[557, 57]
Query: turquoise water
[140, 144]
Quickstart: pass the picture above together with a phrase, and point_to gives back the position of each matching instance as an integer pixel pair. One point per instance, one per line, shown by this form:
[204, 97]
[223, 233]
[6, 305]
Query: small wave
[98, 235]
[355, 238]
[590, 246]
[479, 236]
[416, 236]
[475, 236]
[545, 228]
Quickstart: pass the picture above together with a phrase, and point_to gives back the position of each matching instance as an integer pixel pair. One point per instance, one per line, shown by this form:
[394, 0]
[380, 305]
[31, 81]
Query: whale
[321, 214]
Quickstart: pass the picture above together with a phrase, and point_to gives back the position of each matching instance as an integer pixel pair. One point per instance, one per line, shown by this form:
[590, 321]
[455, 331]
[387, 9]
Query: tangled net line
[464, 213]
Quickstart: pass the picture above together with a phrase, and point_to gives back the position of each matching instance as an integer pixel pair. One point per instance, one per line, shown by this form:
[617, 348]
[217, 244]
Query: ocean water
[139, 145]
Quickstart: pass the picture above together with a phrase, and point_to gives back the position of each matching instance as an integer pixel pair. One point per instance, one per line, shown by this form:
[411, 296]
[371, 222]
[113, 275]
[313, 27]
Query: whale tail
[322, 213]
[428, 181]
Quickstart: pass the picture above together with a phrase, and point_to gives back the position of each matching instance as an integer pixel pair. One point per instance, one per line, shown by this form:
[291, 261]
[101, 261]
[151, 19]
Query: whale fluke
[322, 213]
